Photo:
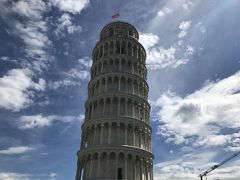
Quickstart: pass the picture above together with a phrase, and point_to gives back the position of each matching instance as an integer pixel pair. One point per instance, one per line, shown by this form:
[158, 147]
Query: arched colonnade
[118, 83]
[115, 106]
[117, 165]
[118, 46]
[123, 64]
[115, 133]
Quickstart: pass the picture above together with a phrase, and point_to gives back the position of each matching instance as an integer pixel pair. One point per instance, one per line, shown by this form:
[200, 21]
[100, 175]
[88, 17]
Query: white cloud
[201, 27]
[159, 57]
[15, 89]
[187, 5]
[53, 176]
[39, 121]
[62, 84]
[234, 148]
[65, 23]
[75, 73]
[164, 11]
[32, 30]
[36, 42]
[7, 59]
[72, 6]
[182, 34]
[13, 176]
[189, 166]
[190, 50]
[184, 26]
[30, 9]
[148, 40]
[200, 117]
[4, 58]
[85, 62]
[16, 150]
[74, 76]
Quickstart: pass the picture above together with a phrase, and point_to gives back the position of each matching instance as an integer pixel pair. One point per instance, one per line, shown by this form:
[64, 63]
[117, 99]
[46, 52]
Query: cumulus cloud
[74, 76]
[190, 165]
[190, 50]
[7, 59]
[32, 30]
[71, 6]
[159, 57]
[16, 150]
[15, 89]
[62, 84]
[164, 57]
[13, 176]
[164, 11]
[201, 117]
[187, 5]
[81, 71]
[148, 40]
[85, 62]
[78, 74]
[201, 27]
[4, 58]
[53, 176]
[30, 9]
[40, 121]
[65, 23]
[184, 26]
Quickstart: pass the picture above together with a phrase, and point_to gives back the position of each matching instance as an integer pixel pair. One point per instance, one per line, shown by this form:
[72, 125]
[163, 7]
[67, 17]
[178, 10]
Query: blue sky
[193, 74]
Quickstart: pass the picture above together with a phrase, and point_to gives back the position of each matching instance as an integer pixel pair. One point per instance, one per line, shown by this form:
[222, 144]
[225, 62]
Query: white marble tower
[116, 136]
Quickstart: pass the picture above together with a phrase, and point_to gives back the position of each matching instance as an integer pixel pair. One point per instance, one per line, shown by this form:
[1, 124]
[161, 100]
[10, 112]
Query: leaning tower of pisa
[116, 135]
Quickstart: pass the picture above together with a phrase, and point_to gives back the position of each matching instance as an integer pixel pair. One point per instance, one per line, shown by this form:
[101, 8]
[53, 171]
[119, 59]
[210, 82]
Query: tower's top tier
[119, 29]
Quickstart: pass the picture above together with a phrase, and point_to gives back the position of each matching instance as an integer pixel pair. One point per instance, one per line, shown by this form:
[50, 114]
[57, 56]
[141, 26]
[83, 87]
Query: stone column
[138, 89]
[92, 111]
[78, 175]
[116, 173]
[118, 137]
[119, 103]
[100, 87]
[114, 46]
[126, 167]
[90, 169]
[119, 84]
[109, 133]
[134, 138]
[120, 46]
[101, 133]
[98, 166]
[85, 171]
[126, 135]
[111, 104]
[104, 106]
[108, 163]
[151, 172]
[141, 170]
[94, 136]
[105, 88]
[126, 108]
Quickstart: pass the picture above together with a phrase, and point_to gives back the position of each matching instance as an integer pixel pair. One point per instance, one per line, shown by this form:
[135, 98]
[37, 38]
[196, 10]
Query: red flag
[115, 15]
